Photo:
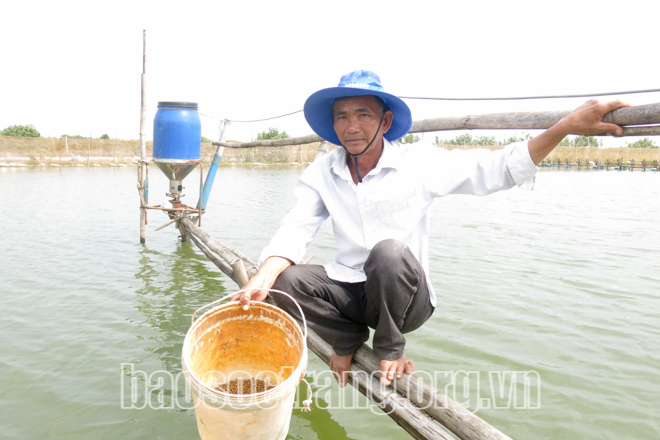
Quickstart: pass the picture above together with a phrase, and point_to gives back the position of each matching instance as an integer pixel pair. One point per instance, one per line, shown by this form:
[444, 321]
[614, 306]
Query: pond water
[548, 320]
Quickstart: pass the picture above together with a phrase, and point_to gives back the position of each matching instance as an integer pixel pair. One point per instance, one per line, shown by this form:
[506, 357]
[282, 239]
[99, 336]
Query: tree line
[463, 139]
[570, 141]
[31, 131]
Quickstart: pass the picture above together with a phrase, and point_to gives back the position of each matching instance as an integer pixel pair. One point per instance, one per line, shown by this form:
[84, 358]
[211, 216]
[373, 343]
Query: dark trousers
[393, 300]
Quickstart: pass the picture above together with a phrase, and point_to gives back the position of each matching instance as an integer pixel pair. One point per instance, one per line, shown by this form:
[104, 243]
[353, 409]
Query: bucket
[227, 344]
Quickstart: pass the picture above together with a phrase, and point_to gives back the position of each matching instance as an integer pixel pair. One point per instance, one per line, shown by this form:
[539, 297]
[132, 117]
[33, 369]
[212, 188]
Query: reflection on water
[319, 421]
[174, 285]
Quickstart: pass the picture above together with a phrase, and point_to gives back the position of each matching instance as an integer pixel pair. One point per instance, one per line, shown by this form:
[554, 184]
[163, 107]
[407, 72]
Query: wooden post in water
[142, 168]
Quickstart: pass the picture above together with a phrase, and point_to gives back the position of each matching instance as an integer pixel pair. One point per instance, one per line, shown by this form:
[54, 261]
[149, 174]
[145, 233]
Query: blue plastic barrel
[177, 141]
[177, 131]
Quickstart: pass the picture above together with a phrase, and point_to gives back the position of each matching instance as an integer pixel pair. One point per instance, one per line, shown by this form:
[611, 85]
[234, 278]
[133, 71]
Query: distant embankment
[589, 153]
[60, 151]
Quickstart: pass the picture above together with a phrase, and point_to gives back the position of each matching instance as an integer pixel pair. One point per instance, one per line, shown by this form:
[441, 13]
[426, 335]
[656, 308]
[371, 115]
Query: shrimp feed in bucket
[243, 367]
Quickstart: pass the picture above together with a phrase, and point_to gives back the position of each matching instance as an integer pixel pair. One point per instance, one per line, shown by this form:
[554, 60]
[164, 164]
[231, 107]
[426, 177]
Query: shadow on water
[320, 421]
[175, 285]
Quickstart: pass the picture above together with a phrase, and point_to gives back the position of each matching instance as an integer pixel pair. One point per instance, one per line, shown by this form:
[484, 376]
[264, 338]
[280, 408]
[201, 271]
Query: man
[377, 193]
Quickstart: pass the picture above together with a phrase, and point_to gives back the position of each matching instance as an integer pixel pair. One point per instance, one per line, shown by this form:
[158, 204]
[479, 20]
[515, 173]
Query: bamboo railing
[641, 120]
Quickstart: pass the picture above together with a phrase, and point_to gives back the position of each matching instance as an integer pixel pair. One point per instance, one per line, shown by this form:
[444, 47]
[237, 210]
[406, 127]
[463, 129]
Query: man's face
[356, 121]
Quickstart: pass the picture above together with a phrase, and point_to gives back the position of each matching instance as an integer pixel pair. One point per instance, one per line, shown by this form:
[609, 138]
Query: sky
[74, 67]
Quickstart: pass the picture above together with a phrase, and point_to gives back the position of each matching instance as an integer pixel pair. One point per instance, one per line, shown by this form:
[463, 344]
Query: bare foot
[340, 366]
[397, 367]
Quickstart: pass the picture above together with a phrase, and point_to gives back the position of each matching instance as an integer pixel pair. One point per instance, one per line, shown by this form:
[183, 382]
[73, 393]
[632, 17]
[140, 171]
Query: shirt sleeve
[299, 227]
[480, 171]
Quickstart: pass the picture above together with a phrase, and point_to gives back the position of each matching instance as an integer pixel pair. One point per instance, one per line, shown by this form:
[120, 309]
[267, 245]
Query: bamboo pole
[455, 417]
[410, 418]
[160, 208]
[649, 130]
[226, 253]
[142, 169]
[637, 115]
[240, 272]
[166, 224]
[141, 193]
[642, 114]
[272, 142]
[146, 189]
[224, 267]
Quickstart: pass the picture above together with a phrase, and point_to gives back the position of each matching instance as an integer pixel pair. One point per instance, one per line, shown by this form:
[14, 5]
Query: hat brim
[318, 114]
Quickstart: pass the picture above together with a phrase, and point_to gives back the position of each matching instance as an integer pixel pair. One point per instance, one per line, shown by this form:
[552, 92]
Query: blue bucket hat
[318, 106]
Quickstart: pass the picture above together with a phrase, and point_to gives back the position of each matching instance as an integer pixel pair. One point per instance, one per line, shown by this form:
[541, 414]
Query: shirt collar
[390, 158]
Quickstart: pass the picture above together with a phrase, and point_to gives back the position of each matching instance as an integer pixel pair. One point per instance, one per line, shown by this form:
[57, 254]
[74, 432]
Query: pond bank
[20, 151]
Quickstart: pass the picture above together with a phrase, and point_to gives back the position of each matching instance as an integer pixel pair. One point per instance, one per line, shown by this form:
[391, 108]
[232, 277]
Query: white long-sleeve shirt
[392, 201]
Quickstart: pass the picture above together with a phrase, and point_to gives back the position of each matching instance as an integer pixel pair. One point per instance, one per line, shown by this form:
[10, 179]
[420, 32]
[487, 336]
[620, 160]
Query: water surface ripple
[561, 281]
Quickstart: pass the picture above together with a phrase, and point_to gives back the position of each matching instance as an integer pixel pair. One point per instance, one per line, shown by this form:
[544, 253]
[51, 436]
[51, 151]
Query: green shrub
[21, 131]
[586, 141]
[642, 143]
[467, 139]
[272, 133]
[409, 139]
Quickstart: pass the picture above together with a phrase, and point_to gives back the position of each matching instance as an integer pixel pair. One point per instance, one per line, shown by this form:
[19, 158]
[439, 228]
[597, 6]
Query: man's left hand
[588, 118]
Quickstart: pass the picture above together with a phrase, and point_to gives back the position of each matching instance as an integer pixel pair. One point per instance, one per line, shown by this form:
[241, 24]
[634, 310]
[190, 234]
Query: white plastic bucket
[228, 343]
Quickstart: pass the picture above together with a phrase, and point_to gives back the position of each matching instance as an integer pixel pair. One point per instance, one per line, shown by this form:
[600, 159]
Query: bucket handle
[192, 321]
